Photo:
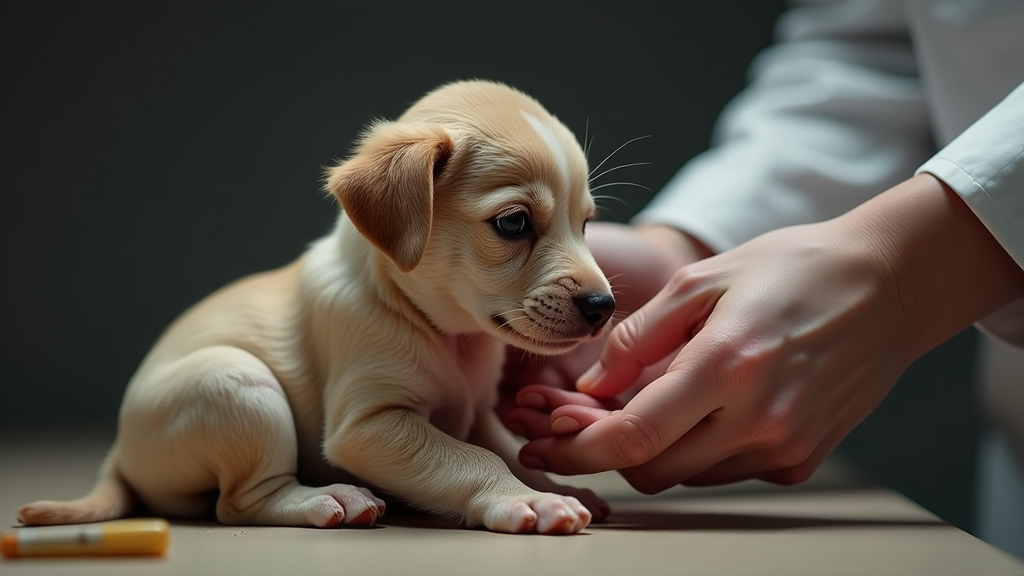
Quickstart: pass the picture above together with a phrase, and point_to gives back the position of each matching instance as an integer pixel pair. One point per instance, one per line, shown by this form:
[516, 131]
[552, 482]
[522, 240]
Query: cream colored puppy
[372, 362]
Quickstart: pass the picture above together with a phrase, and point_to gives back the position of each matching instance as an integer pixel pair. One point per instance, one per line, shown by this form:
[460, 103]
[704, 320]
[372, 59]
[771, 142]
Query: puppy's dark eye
[513, 225]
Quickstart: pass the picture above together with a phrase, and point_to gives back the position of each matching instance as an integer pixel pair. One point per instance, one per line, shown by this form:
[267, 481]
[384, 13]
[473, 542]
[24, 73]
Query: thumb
[657, 329]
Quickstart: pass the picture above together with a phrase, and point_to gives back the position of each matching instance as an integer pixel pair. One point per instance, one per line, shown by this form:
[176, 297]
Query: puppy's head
[479, 198]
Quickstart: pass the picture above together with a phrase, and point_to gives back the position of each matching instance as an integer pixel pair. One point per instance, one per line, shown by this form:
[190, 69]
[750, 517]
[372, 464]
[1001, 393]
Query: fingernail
[532, 462]
[531, 400]
[565, 424]
[590, 377]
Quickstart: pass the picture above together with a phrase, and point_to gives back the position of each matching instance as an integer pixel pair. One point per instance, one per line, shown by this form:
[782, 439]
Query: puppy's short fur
[372, 362]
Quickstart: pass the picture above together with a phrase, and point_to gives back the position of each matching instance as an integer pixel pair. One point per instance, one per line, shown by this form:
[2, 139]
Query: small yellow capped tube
[130, 537]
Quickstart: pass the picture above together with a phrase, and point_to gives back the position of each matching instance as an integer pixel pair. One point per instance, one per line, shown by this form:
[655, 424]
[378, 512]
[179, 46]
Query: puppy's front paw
[597, 506]
[537, 512]
[539, 481]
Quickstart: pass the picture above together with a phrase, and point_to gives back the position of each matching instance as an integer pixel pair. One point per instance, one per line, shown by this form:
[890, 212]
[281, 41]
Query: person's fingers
[803, 471]
[770, 465]
[528, 423]
[572, 418]
[568, 419]
[651, 422]
[707, 443]
[547, 398]
[745, 427]
[650, 334]
[531, 418]
[791, 450]
[792, 461]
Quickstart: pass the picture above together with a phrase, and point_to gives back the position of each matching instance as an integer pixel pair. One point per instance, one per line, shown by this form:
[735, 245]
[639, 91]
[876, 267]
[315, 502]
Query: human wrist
[945, 266]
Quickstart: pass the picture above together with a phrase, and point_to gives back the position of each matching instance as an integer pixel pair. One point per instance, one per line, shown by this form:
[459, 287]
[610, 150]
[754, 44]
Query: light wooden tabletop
[830, 526]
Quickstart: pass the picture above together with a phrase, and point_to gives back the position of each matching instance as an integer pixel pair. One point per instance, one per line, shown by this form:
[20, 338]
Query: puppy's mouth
[554, 345]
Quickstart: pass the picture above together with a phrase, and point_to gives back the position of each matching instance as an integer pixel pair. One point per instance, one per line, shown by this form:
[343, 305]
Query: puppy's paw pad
[597, 506]
[362, 508]
[325, 512]
[539, 513]
[324, 507]
[521, 519]
[561, 517]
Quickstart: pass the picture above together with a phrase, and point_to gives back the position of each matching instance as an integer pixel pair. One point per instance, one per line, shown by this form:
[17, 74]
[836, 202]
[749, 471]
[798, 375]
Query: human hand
[788, 342]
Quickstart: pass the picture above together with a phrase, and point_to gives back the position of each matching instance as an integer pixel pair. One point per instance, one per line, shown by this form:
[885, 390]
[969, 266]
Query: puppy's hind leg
[218, 419]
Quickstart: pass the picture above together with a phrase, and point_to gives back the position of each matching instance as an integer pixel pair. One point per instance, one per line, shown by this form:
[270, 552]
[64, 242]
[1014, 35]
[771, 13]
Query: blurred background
[154, 151]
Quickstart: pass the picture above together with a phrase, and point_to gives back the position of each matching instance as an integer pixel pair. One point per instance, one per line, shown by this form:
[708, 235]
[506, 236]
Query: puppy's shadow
[401, 515]
[704, 521]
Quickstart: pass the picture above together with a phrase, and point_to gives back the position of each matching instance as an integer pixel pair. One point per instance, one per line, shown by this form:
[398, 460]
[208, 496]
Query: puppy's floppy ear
[387, 187]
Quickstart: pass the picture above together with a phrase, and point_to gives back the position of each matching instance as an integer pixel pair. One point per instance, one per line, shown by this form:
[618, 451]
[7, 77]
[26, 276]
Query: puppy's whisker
[619, 316]
[601, 197]
[511, 320]
[608, 157]
[508, 320]
[596, 188]
[619, 167]
[586, 135]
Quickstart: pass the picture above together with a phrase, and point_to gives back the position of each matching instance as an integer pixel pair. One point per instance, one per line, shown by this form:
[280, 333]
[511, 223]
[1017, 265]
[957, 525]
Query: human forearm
[948, 269]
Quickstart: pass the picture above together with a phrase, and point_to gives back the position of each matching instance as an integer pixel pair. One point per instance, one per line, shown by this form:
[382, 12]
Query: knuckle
[682, 281]
[769, 431]
[723, 350]
[745, 360]
[638, 440]
[745, 366]
[624, 338]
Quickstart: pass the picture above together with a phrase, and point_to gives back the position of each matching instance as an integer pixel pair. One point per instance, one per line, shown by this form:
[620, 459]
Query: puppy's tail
[110, 498]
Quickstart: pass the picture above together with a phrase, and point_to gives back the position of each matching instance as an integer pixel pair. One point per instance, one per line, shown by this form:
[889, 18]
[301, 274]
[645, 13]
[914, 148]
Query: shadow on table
[704, 521]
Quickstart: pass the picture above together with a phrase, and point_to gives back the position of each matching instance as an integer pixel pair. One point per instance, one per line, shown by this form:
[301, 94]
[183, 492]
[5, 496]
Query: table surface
[832, 525]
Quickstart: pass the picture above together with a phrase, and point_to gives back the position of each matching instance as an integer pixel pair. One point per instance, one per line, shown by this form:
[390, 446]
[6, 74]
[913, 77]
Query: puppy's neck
[424, 296]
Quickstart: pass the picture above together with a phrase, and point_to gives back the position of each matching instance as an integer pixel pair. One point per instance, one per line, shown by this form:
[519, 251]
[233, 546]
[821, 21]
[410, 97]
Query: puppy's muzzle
[595, 309]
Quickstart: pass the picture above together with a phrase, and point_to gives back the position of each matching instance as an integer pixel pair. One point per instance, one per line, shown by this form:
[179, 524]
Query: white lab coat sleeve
[985, 166]
[833, 115]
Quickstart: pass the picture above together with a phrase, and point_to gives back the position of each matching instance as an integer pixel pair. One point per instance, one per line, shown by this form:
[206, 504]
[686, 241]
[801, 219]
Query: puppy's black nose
[595, 308]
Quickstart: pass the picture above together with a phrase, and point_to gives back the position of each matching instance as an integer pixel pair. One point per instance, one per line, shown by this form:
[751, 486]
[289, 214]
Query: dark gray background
[154, 151]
